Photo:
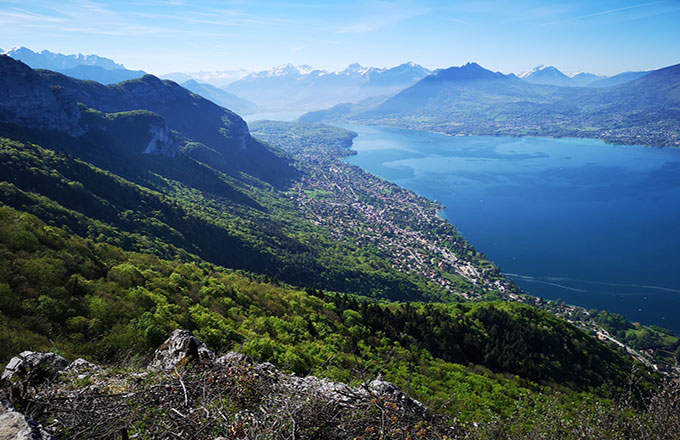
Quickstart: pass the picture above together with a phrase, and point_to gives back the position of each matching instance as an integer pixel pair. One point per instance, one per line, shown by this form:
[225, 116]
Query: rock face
[196, 117]
[162, 142]
[181, 346]
[35, 367]
[15, 426]
[28, 101]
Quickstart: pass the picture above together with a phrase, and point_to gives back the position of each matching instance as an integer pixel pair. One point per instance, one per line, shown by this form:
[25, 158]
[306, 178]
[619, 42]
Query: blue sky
[600, 36]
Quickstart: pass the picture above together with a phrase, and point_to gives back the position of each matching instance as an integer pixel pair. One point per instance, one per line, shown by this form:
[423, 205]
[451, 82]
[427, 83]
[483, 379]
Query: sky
[599, 36]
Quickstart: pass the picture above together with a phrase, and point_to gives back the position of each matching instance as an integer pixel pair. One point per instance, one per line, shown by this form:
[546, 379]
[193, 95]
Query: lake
[594, 224]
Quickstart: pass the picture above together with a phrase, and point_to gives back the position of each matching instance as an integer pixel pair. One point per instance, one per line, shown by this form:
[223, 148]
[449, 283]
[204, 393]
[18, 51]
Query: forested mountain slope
[135, 179]
[60, 291]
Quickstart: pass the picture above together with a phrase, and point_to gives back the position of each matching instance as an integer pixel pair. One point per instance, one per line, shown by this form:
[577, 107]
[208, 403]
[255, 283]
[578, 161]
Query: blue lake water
[594, 224]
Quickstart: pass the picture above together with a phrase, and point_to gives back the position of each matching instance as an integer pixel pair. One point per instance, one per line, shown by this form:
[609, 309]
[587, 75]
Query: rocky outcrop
[181, 347]
[392, 392]
[15, 426]
[26, 100]
[34, 367]
[232, 358]
[80, 365]
[205, 396]
[162, 142]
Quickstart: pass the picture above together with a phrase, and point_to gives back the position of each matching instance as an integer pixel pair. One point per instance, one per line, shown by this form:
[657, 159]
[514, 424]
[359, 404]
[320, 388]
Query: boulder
[82, 368]
[329, 391]
[182, 346]
[34, 367]
[232, 358]
[389, 390]
[15, 426]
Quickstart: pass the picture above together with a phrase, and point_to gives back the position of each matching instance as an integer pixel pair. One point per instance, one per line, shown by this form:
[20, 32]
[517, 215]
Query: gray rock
[34, 366]
[81, 365]
[232, 358]
[162, 142]
[15, 426]
[181, 345]
[388, 389]
[331, 391]
[27, 101]
[268, 370]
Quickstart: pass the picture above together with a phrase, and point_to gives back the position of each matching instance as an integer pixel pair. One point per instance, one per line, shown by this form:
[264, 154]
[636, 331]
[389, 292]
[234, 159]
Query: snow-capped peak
[532, 71]
[285, 70]
[355, 68]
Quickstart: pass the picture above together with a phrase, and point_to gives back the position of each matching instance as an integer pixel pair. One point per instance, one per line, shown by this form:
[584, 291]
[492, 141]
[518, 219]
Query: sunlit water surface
[594, 224]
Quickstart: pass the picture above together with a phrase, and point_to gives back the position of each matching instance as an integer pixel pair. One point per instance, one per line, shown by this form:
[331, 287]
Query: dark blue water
[593, 224]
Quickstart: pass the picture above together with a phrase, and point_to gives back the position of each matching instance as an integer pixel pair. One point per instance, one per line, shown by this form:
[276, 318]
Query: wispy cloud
[456, 20]
[22, 16]
[299, 48]
[377, 22]
[605, 12]
[92, 18]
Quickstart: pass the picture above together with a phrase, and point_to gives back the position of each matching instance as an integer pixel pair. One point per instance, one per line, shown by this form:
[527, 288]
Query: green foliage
[638, 336]
[195, 211]
[108, 305]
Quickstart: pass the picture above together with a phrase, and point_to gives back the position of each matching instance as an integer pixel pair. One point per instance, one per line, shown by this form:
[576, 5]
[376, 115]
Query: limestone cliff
[28, 101]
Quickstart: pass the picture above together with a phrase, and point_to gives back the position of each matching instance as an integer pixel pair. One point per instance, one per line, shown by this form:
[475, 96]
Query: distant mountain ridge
[88, 67]
[550, 75]
[221, 97]
[547, 75]
[218, 78]
[585, 79]
[616, 80]
[290, 87]
[473, 100]
[56, 61]
[468, 72]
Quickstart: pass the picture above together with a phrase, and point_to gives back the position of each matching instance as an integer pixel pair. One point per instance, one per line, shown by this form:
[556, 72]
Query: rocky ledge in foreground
[189, 392]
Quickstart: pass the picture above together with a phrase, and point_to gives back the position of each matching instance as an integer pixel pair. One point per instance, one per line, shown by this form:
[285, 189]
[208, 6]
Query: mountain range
[56, 61]
[550, 75]
[473, 100]
[89, 67]
[295, 88]
[219, 78]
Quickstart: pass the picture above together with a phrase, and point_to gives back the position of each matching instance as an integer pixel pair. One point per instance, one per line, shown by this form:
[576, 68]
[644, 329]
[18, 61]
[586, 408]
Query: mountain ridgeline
[42, 99]
[473, 100]
[221, 97]
[89, 67]
[303, 88]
